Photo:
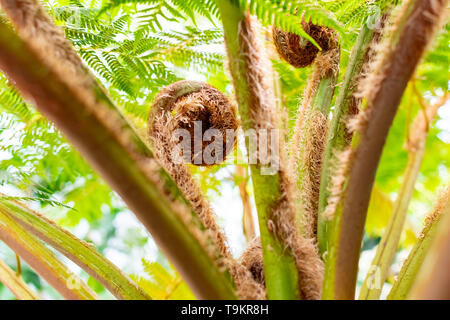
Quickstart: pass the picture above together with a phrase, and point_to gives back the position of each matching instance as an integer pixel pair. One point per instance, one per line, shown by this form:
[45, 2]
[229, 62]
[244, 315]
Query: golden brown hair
[195, 107]
[177, 107]
[298, 51]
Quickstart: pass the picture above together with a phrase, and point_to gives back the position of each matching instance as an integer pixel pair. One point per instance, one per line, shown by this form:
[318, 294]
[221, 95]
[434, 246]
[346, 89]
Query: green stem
[83, 112]
[410, 268]
[14, 283]
[388, 245]
[433, 279]
[338, 136]
[43, 261]
[397, 63]
[76, 250]
[308, 168]
[279, 266]
[389, 242]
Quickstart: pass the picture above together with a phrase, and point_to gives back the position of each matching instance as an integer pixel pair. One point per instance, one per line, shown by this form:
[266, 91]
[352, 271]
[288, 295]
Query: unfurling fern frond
[287, 15]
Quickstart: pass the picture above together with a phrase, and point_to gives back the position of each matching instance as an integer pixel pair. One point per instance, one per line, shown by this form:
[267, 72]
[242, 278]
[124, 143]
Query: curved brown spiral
[195, 108]
[298, 51]
[177, 107]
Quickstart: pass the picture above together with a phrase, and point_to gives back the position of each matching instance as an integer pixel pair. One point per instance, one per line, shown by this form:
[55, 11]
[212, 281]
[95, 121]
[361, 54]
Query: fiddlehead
[198, 113]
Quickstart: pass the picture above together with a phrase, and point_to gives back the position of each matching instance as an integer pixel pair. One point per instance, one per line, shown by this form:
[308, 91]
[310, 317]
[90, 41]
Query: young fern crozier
[311, 128]
[298, 51]
[201, 113]
[308, 143]
[189, 110]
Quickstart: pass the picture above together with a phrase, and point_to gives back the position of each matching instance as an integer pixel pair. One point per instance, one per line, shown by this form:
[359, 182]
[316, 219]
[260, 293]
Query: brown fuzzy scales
[313, 156]
[390, 72]
[326, 63]
[303, 251]
[298, 51]
[252, 259]
[32, 22]
[437, 210]
[309, 139]
[356, 99]
[301, 119]
[375, 72]
[171, 110]
[161, 125]
[196, 112]
[341, 158]
[262, 103]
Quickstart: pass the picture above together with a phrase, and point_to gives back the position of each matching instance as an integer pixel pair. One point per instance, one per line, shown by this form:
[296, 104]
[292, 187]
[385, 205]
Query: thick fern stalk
[433, 279]
[279, 265]
[43, 261]
[339, 137]
[389, 242]
[83, 254]
[310, 137]
[282, 248]
[46, 69]
[352, 186]
[13, 282]
[410, 268]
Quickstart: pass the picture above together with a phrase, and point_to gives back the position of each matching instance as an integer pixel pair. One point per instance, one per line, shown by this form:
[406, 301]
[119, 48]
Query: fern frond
[283, 14]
